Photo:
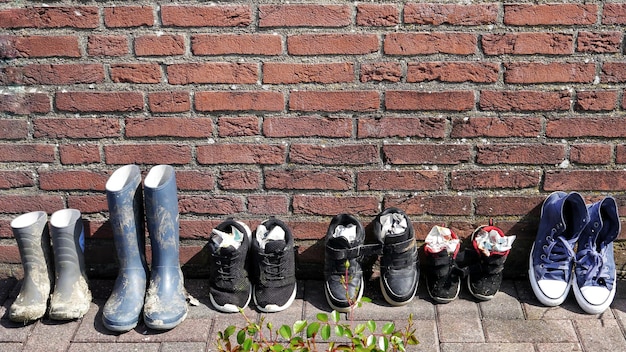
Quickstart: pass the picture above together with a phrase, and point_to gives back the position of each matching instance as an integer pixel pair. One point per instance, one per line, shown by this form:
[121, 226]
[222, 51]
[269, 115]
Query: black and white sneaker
[230, 288]
[399, 273]
[273, 268]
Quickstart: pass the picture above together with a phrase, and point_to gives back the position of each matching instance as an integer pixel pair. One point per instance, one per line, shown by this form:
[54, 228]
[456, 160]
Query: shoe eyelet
[543, 256]
[549, 238]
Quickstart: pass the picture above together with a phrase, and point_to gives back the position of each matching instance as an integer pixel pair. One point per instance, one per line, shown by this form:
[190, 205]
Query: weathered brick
[239, 180]
[239, 101]
[591, 153]
[128, 16]
[599, 42]
[426, 153]
[475, 72]
[304, 15]
[50, 17]
[620, 154]
[582, 180]
[453, 14]
[233, 153]
[511, 153]
[381, 72]
[613, 72]
[84, 180]
[169, 102]
[462, 100]
[549, 14]
[107, 45]
[236, 44]
[23, 203]
[79, 153]
[555, 72]
[508, 205]
[494, 179]
[159, 45]
[334, 101]
[301, 179]
[99, 101]
[213, 72]
[396, 126]
[429, 43]
[54, 74]
[27, 153]
[269, 204]
[614, 13]
[332, 205]
[400, 180]
[344, 154]
[332, 44]
[234, 126]
[16, 179]
[182, 127]
[195, 180]
[136, 73]
[307, 126]
[599, 100]
[76, 127]
[442, 205]
[25, 104]
[529, 43]
[39, 46]
[206, 16]
[210, 204]
[89, 203]
[602, 126]
[147, 154]
[503, 127]
[293, 73]
[524, 100]
[377, 15]
[13, 128]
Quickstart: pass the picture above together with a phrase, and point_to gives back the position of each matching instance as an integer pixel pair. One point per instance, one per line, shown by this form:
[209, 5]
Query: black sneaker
[443, 277]
[342, 269]
[273, 266]
[399, 273]
[229, 288]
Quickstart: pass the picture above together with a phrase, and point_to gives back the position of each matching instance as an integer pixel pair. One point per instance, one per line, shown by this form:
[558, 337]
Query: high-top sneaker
[490, 248]
[273, 267]
[399, 273]
[230, 288]
[594, 284]
[440, 269]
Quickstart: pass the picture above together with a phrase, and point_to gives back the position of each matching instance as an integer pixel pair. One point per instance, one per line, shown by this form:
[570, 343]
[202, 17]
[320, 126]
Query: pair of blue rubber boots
[554, 264]
[163, 298]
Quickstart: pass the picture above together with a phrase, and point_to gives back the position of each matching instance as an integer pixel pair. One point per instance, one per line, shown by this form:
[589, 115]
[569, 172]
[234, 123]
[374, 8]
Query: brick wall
[454, 113]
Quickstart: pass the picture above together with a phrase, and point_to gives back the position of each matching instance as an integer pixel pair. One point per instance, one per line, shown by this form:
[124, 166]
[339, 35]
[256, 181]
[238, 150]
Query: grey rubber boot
[166, 300]
[71, 296]
[31, 233]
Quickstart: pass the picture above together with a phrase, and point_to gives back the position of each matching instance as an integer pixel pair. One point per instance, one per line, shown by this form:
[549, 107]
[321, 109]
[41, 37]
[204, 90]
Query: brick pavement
[512, 321]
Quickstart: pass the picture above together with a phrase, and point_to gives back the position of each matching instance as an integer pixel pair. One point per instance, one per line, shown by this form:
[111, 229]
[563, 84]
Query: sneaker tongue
[392, 224]
[224, 239]
[348, 233]
[440, 238]
[275, 246]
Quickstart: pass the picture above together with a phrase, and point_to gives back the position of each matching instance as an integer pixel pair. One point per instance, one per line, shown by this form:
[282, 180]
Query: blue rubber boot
[166, 300]
[122, 310]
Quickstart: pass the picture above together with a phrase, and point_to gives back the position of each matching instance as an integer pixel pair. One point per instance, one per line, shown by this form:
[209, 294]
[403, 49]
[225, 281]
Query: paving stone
[11, 331]
[600, 335]
[50, 335]
[114, 347]
[504, 305]
[425, 332]
[183, 347]
[459, 321]
[558, 347]
[11, 346]
[487, 347]
[568, 310]
[513, 331]
[190, 330]
[91, 328]
[7, 284]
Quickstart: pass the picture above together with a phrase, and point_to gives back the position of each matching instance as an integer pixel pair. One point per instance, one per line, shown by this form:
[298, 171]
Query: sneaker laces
[557, 254]
[592, 262]
[224, 265]
[274, 265]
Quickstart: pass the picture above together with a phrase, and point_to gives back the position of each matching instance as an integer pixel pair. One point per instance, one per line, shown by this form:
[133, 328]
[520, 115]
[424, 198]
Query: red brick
[169, 102]
[27, 153]
[510, 153]
[583, 180]
[128, 16]
[494, 179]
[269, 204]
[344, 154]
[524, 100]
[236, 44]
[599, 100]
[293, 73]
[528, 43]
[462, 100]
[23, 203]
[195, 180]
[441, 205]
[555, 72]
[603, 126]
[395, 126]
[239, 101]
[107, 45]
[76, 127]
[147, 154]
[16, 179]
[613, 72]
[239, 180]
[377, 15]
[236, 126]
[99, 101]
[507, 205]
[430, 43]
[307, 126]
[39, 46]
[549, 14]
[232, 153]
[69, 180]
[25, 104]
[334, 101]
[620, 154]
[197, 229]
[55, 74]
[591, 153]
[13, 128]
[79, 153]
[503, 127]
[50, 17]
[136, 73]
[304, 15]
[332, 205]
[206, 16]
[475, 72]
[423, 153]
[599, 42]
[213, 72]
[300, 179]
[332, 44]
[381, 72]
[210, 204]
[88, 203]
[159, 45]
[400, 180]
[182, 127]
[614, 13]
[452, 14]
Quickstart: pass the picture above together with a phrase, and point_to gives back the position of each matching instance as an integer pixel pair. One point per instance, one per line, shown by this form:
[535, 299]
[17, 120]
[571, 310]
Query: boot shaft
[33, 240]
[68, 241]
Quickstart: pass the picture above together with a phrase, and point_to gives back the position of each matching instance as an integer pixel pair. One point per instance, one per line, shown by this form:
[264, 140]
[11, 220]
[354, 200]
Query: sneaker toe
[553, 289]
[595, 295]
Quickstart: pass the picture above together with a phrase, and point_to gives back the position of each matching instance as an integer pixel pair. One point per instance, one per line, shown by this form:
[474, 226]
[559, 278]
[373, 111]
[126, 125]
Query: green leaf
[298, 326]
[371, 325]
[339, 330]
[241, 336]
[366, 299]
[277, 348]
[323, 317]
[383, 343]
[325, 332]
[412, 340]
[285, 332]
[389, 328]
[247, 344]
[270, 326]
[359, 329]
[335, 315]
[312, 329]
[229, 331]
[371, 340]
